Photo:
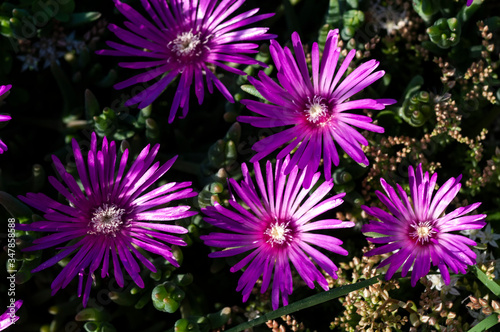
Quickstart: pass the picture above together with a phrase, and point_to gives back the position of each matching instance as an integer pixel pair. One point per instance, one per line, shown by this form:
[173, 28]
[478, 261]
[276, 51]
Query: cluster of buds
[435, 311]
[487, 36]
[390, 153]
[448, 72]
[292, 324]
[481, 73]
[449, 121]
[371, 308]
[484, 305]
[490, 171]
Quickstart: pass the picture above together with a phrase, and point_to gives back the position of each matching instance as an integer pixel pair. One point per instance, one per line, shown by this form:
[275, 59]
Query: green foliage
[445, 33]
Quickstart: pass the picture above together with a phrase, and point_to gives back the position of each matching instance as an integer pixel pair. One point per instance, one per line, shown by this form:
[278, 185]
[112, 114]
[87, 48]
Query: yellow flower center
[278, 233]
[185, 44]
[423, 231]
[316, 110]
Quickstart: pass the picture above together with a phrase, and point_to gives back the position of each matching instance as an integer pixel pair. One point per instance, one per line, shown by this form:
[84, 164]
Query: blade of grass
[485, 324]
[306, 303]
[492, 285]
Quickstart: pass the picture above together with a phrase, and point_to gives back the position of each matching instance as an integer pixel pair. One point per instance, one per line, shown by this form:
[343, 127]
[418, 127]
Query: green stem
[306, 303]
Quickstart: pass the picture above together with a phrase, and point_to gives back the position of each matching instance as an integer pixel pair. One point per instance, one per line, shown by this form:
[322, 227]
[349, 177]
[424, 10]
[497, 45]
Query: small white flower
[438, 283]
[388, 18]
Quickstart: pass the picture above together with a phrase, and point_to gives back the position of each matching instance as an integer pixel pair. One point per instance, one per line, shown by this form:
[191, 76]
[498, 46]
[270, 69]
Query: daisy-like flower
[111, 218]
[4, 92]
[9, 317]
[276, 230]
[186, 37]
[419, 229]
[314, 108]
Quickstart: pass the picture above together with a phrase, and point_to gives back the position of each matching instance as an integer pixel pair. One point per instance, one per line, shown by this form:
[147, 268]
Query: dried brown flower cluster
[435, 310]
[491, 172]
[370, 45]
[389, 153]
[448, 72]
[484, 305]
[413, 36]
[476, 81]
[448, 122]
[374, 307]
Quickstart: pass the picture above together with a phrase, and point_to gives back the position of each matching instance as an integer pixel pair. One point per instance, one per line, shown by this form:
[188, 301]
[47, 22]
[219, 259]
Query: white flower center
[423, 231]
[185, 44]
[278, 233]
[316, 109]
[107, 219]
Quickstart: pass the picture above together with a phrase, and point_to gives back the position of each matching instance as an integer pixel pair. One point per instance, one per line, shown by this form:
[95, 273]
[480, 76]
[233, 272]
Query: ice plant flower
[419, 229]
[276, 230]
[111, 218]
[469, 2]
[186, 37]
[4, 91]
[314, 108]
[9, 317]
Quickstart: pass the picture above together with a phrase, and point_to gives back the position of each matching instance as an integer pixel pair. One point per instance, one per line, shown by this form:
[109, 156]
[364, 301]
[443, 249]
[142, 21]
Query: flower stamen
[423, 231]
[278, 233]
[106, 219]
[185, 44]
[316, 110]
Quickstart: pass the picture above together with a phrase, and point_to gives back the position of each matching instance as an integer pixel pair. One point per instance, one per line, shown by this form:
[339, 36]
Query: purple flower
[276, 230]
[315, 108]
[110, 218]
[9, 317]
[469, 2]
[420, 229]
[187, 37]
[4, 92]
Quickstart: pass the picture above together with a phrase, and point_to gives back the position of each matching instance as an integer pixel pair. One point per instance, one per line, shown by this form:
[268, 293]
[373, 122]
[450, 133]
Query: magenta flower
[315, 109]
[4, 91]
[9, 317]
[113, 215]
[420, 229]
[469, 2]
[187, 37]
[276, 230]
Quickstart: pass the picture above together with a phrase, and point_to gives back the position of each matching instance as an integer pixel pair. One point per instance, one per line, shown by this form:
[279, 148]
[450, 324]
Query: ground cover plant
[241, 165]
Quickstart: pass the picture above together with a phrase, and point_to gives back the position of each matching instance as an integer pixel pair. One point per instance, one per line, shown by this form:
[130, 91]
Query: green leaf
[306, 303]
[250, 89]
[492, 285]
[78, 19]
[485, 324]
[15, 207]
